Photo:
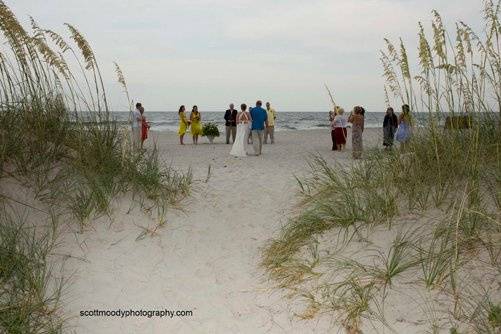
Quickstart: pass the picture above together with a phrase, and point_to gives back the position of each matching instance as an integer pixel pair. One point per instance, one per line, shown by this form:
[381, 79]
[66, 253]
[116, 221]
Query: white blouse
[339, 122]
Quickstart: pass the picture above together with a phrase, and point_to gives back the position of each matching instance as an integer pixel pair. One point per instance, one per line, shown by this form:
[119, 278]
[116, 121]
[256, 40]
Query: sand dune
[206, 258]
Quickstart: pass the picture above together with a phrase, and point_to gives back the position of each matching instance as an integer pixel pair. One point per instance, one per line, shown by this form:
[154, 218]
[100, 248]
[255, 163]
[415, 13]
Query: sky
[213, 52]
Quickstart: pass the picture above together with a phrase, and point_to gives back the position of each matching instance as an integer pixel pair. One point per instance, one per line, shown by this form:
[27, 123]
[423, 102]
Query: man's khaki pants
[269, 131]
[257, 141]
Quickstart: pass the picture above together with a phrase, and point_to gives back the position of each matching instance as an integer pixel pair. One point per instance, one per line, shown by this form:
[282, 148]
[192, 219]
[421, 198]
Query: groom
[259, 122]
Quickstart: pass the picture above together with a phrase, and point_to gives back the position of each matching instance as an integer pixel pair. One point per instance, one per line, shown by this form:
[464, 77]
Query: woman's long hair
[181, 108]
[358, 110]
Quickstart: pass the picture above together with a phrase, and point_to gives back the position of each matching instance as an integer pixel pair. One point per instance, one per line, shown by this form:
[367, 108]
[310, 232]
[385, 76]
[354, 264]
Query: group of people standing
[243, 127]
[257, 125]
[195, 121]
[394, 127]
[231, 118]
[140, 127]
[339, 133]
[397, 128]
[254, 126]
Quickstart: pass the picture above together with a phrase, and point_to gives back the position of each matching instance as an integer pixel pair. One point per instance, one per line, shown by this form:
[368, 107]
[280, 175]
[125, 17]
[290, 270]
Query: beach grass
[29, 292]
[437, 198]
[59, 143]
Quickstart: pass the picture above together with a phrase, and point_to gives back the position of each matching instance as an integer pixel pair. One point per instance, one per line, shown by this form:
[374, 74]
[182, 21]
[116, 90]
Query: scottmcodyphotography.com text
[126, 313]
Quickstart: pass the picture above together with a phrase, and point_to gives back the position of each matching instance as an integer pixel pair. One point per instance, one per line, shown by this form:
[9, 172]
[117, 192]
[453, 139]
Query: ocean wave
[161, 128]
[163, 123]
[286, 127]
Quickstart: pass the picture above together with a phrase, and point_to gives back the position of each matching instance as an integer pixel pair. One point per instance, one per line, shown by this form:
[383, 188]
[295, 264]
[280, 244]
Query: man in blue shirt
[259, 122]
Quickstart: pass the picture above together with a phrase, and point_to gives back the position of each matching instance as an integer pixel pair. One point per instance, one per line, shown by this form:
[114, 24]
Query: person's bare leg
[181, 139]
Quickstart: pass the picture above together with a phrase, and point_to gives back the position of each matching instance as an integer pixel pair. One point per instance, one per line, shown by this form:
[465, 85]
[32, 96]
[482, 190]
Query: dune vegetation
[419, 227]
[60, 145]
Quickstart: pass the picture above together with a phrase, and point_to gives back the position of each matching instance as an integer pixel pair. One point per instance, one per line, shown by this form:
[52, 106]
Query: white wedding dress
[239, 148]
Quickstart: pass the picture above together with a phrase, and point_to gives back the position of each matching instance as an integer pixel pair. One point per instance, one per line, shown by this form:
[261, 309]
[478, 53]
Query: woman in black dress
[390, 124]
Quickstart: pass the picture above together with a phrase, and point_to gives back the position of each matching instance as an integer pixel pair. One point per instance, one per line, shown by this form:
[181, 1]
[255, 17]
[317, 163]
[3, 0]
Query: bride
[239, 148]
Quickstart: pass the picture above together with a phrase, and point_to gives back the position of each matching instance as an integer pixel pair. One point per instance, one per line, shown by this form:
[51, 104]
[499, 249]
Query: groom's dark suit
[231, 124]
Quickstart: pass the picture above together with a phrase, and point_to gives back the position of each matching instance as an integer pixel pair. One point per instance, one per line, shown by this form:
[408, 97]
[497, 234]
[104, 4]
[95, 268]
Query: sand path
[205, 260]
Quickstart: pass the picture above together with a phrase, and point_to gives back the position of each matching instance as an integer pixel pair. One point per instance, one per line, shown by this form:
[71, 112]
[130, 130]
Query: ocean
[286, 121]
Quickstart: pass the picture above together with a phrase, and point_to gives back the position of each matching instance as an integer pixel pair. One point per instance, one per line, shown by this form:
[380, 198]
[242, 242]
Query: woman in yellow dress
[183, 124]
[196, 124]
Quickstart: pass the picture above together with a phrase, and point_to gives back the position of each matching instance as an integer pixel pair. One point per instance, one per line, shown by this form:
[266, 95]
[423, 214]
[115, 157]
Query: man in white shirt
[136, 127]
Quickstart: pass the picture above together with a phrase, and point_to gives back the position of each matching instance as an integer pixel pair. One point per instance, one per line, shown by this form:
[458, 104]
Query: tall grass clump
[439, 195]
[55, 140]
[59, 142]
[29, 293]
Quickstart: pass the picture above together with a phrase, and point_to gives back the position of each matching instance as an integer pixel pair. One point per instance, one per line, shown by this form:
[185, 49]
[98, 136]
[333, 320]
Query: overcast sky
[212, 52]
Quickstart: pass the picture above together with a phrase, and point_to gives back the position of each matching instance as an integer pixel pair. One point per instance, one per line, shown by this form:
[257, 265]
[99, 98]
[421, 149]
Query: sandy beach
[206, 259]
[103, 233]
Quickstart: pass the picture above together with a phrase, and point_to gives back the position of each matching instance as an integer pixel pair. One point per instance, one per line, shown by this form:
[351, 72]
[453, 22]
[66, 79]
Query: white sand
[205, 260]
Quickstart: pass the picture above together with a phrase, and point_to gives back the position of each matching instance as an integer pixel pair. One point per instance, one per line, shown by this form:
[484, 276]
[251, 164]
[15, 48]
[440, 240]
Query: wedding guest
[333, 114]
[390, 124]
[338, 126]
[404, 130]
[357, 121]
[270, 128]
[230, 117]
[136, 127]
[259, 122]
[144, 126]
[183, 124]
[196, 124]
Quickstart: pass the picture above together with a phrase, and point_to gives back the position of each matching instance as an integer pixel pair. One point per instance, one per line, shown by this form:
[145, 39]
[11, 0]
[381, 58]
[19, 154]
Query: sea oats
[91, 63]
[84, 47]
[123, 83]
